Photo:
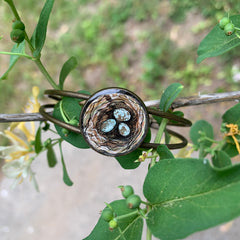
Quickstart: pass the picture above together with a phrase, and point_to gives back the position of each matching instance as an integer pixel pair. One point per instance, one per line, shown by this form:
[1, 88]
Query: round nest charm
[114, 121]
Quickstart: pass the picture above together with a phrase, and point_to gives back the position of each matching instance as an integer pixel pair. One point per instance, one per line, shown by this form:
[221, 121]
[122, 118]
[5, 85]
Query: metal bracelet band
[172, 146]
[49, 117]
[76, 129]
[58, 94]
[55, 93]
[179, 121]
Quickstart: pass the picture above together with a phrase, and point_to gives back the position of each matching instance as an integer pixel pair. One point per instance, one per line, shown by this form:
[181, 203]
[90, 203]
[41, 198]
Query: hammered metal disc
[114, 121]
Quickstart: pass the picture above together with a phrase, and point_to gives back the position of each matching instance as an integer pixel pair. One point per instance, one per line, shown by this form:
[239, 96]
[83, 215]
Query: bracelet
[114, 121]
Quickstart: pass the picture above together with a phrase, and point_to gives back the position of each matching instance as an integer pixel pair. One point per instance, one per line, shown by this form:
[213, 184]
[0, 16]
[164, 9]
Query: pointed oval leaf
[68, 66]
[130, 228]
[232, 115]
[230, 149]
[188, 195]
[66, 178]
[72, 109]
[41, 29]
[38, 141]
[221, 159]
[17, 48]
[217, 42]
[51, 156]
[169, 96]
[164, 152]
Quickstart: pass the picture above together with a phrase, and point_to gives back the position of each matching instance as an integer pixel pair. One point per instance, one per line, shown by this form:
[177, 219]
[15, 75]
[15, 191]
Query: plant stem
[46, 74]
[127, 215]
[17, 54]
[37, 61]
[208, 139]
[161, 130]
[63, 114]
[146, 203]
[158, 140]
[149, 233]
[13, 8]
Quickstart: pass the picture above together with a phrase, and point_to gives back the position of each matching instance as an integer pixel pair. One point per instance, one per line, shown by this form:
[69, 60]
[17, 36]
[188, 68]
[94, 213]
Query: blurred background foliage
[142, 45]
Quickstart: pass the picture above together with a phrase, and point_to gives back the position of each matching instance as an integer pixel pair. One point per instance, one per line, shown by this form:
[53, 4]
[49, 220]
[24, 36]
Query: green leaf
[41, 29]
[204, 127]
[230, 149]
[217, 42]
[232, 115]
[221, 159]
[169, 96]
[38, 141]
[128, 161]
[68, 66]
[198, 131]
[66, 177]
[148, 137]
[17, 48]
[188, 195]
[33, 38]
[164, 152]
[72, 109]
[51, 157]
[130, 228]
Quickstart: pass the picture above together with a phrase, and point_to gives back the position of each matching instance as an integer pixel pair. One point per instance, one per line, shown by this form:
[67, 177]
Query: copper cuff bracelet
[114, 121]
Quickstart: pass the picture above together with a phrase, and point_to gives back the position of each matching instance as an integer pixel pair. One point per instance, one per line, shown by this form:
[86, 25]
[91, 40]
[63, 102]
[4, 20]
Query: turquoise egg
[124, 129]
[121, 114]
[108, 125]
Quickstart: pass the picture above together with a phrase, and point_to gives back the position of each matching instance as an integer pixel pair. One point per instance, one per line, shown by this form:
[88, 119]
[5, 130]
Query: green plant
[127, 191]
[193, 75]
[183, 195]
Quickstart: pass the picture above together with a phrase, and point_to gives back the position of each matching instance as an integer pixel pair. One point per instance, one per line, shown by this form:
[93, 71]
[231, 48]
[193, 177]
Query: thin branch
[180, 102]
[200, 99]
[21, 117]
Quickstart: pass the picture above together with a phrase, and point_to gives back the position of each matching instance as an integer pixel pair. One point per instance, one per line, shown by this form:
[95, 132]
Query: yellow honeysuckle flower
[233, 130]
[17, 154]
[18, 147]
[33, 105]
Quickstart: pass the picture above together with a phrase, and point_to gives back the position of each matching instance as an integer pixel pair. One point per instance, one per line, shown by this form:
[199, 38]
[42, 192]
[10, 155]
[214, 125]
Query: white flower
[19, 170]
[18, 155]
